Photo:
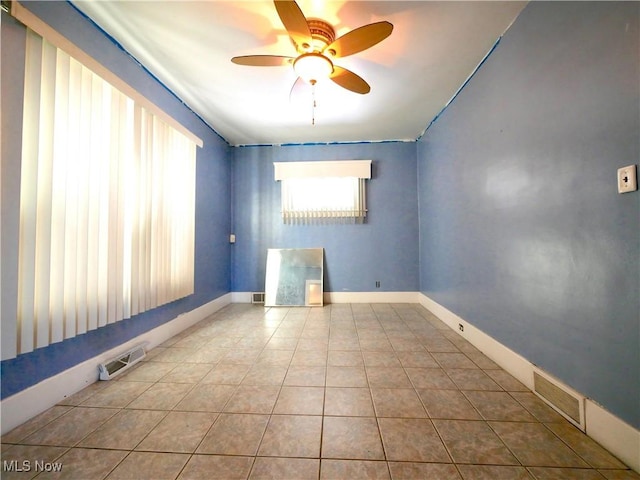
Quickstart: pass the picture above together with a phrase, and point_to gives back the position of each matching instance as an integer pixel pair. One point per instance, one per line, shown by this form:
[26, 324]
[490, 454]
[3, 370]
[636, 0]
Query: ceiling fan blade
[263, 60]
[360, 39]
[294, 21]
[349, 80]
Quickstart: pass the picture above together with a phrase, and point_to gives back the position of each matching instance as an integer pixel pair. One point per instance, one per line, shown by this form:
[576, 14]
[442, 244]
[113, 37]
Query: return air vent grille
[120, 363]
[257, 297]
[570, 405]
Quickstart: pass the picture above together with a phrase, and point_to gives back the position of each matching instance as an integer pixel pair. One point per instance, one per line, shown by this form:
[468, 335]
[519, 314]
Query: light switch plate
[627, 179]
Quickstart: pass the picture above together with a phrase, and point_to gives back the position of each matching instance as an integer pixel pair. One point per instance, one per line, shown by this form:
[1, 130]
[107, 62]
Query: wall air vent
[257, 297]
[569, 404]
[119, 364]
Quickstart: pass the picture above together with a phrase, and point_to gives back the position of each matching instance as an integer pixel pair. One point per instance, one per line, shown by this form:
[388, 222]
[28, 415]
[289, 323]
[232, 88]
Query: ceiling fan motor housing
[322, 34]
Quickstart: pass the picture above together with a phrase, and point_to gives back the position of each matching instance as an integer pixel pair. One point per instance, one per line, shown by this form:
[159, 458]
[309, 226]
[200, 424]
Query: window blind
[107, 203]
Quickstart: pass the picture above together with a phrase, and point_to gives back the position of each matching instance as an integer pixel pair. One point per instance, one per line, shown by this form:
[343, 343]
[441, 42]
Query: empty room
[320, 240]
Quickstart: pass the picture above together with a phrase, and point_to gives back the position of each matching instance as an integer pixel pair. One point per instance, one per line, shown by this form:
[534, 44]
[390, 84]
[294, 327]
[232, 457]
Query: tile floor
[346, 391]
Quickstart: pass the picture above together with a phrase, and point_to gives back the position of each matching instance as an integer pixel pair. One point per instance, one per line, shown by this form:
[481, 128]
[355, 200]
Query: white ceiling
[433, 49]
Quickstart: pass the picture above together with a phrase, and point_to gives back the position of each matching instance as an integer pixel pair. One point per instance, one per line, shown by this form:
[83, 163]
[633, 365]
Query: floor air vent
[570, 405]
[257, 297]
[121, 363]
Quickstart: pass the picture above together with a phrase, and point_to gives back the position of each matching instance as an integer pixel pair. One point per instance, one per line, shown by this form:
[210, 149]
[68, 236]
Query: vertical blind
[106, 206]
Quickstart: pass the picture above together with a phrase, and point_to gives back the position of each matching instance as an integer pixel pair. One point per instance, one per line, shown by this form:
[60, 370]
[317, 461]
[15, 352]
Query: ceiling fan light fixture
[312, 67]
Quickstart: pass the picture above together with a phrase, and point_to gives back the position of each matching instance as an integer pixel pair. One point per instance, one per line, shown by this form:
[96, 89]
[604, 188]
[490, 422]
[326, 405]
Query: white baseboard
[509, 360]
[370, 297]
[348, 297]
[34, 400]
[613, 433]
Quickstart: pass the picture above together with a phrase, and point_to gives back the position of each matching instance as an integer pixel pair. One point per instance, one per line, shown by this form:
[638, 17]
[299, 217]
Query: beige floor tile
[419, 359]
[79, 397]
[412, 440]
[263, 374]
[416, 471]
[351, 438]
[266, 468]
[292, 436]
[68, 429]
[534, 445]
[117, 394]
[124, 430]
[353, 470]
[620, 474]
[282, 343]
[376, 344]
[338, 376]
[244, 356]
[217, 467]
[305, 376]
[345, 358]
[473, 442]
[397, 402]
[381, 359]
[161, 396]
[206, 397]
[406, 345]
[344, 343]
[173, 355]
[208, 355]
[498, 406]
[588, 449]
[493, 472]
[309, 358]
[551, 473]
[179, 432]
[507, 381]
[146, 372]
[448, 404]
[313, 344]
[20, 462]
[226, 374]
[387, 377]
[540, 410]
[187, 373]
[472, 379]
[300, 401]
[439, 344]
[253, 399]
[352, 402]
[87, 464]
[275, 357]
[35, 424]
[453, 360]
[430, 378]
[482, 361]
[341, 391]
[234, 434]
[159, 466]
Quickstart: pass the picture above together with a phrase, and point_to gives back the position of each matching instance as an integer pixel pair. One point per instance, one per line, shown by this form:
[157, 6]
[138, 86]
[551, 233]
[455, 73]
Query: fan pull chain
[313, 103]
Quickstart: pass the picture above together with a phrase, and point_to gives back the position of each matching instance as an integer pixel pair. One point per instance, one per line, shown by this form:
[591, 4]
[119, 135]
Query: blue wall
[385, 248]
[213, 193]
[522, 230]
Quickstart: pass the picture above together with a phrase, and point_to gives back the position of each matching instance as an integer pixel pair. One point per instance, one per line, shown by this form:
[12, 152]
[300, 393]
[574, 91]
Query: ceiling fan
[317, 47]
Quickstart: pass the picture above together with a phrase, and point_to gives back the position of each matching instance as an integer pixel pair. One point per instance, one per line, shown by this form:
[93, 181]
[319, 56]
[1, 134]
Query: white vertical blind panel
[107, 204]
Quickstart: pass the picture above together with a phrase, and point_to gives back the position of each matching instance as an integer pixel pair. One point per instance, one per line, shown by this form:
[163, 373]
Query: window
[318, 192]
[107, 203]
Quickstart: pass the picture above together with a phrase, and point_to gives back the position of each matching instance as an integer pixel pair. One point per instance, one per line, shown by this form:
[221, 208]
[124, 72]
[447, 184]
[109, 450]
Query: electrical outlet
[461, 327]
[627, 180]
[377, 283]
